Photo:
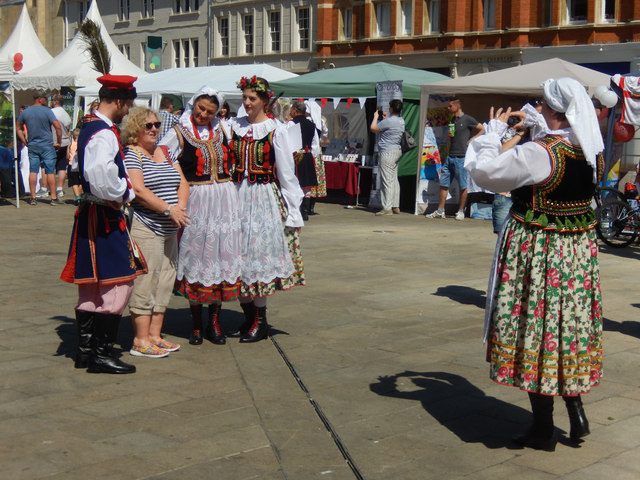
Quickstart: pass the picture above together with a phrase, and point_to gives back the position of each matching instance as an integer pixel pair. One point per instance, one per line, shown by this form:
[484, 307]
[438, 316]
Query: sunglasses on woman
[150, 125]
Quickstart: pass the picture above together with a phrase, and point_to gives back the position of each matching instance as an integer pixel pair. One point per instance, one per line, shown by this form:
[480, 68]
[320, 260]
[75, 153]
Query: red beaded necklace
[195, 130]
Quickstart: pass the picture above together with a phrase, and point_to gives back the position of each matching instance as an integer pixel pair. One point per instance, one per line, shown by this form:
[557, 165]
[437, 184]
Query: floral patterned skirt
[321, 189]
[546, 325]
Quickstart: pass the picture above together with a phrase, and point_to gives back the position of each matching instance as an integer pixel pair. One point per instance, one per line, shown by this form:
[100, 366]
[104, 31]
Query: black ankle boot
[196, 321]
[577, 417]
[541, 434]
[249, 310]
[105, 332]
[85, 332]
[259, 328]
[312, 206]
[213, 332]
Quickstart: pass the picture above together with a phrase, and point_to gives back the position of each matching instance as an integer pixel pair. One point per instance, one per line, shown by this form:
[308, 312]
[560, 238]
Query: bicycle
[618, 222]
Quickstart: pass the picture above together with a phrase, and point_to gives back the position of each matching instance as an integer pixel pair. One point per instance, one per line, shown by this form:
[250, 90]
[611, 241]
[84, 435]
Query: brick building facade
[461, 37]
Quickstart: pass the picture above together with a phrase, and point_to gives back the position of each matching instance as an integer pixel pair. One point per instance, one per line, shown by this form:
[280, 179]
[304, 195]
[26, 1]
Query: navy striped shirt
[163, 180]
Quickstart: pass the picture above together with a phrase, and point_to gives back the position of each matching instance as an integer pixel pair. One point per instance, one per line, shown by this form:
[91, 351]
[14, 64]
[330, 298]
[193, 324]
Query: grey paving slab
[385, 338]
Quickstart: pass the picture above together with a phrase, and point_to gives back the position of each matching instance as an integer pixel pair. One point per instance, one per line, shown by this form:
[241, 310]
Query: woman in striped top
[159, 211]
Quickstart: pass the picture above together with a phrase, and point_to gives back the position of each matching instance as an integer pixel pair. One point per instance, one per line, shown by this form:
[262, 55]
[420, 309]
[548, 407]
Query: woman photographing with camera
[544, 315]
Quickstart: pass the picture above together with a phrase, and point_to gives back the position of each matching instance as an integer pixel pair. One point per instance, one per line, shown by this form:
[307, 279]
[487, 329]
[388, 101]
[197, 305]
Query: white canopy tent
[72, 67]
[24, 40]
[510, 87]
[184, 82]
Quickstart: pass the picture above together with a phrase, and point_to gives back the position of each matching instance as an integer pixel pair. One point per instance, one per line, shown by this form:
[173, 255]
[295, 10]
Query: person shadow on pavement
[626, 328]
[459, 406]
[66, 331]
[463, 295]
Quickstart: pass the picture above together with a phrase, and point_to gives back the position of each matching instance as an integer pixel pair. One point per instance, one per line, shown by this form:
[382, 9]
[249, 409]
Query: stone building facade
[281, 33]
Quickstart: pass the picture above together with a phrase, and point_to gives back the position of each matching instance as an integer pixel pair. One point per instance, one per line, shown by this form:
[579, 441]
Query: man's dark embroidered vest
[562, 202]
[204, 161]
[255, 156]
[92, 124]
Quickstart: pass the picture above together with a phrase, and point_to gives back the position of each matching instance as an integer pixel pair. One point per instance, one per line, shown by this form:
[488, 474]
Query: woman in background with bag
[159, 211]
[391, 130]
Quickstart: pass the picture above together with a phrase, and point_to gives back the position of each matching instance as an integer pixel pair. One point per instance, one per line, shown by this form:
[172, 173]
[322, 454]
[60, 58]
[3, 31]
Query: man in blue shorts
[465, 129]
[41, 145]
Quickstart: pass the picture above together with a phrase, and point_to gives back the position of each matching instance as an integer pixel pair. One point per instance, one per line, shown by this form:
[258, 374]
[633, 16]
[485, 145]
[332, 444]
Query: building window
[176, 54]
[383, 19]
[247, 27]
[274, 28]
[123, 10]
[148, 7]
[223, 32]
[347, 23]
[125, 49]
[407, 17]
[194, 51]
[83, 6]
[432, 20]
[143, 55]
[185, 6]
[608, 10]
[304, 28]
[577, 11]
[547, 13]
[185, 52]
[489, 9]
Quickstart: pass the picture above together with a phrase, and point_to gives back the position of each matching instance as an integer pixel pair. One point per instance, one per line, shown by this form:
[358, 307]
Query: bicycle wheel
[617, 223]
[606, 194]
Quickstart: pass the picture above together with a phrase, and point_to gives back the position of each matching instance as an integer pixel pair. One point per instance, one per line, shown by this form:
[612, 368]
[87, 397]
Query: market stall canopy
[521, 80]
[184, 82]
[72, 67]
[357, 81]
[25, 41]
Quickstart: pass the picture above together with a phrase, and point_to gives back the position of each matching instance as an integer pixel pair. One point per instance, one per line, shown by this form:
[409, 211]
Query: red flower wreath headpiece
[254, 84]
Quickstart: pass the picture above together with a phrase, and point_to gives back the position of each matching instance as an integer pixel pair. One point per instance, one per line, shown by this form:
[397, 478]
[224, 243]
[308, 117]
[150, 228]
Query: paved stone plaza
[379, 360]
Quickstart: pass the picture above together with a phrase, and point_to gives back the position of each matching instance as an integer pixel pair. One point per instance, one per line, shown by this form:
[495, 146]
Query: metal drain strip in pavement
[323, 418]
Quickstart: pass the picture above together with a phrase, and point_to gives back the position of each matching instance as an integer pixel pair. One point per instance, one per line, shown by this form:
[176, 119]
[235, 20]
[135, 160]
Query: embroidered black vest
[204, 161]
[562, 202]
[91, 125]
[255, 156]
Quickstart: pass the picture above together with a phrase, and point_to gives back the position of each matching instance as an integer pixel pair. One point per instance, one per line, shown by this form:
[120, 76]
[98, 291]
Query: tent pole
[16, 162]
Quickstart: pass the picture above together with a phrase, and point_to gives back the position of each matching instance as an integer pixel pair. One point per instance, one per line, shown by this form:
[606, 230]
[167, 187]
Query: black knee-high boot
[213, 332]
[196, 321]
[259, 328]
[541, 434]
[105, 333]
[304, 208]
[85, 332]
[577, 417]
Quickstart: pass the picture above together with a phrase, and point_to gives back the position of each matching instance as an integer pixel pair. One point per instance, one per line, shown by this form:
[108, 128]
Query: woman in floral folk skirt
[270, 197]
[544, 318]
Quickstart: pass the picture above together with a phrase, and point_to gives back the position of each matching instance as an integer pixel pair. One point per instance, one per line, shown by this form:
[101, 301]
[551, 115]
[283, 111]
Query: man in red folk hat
[103, 259]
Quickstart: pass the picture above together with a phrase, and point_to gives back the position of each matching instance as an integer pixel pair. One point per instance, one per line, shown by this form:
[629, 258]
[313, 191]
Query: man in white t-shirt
[61, 153]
